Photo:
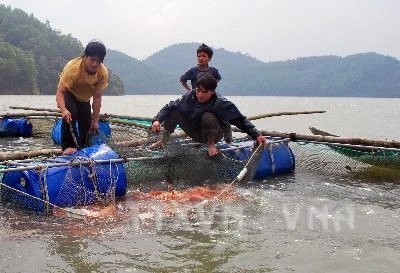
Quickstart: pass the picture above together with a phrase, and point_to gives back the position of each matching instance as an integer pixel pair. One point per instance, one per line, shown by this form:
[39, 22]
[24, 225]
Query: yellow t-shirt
[83, 85]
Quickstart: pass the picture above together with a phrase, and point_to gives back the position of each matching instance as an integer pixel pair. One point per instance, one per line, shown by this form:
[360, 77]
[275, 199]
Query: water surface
[303, 222]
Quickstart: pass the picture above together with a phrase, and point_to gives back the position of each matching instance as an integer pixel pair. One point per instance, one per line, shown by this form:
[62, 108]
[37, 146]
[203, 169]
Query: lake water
[308, 221]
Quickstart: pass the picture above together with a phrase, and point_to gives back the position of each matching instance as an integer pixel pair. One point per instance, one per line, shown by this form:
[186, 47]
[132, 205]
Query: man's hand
[66, 115]
[212, 150]
[262, 140]
[94, 128]
[156, 127]
[185, 85]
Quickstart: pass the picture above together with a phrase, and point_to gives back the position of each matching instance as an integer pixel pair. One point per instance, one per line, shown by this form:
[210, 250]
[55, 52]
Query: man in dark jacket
[200, 114]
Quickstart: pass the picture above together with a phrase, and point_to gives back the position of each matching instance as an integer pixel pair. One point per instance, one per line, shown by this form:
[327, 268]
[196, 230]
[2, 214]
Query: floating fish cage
[98, 173]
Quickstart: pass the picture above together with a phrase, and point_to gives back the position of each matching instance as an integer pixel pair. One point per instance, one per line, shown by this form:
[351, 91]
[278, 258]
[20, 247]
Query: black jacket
[223, 109]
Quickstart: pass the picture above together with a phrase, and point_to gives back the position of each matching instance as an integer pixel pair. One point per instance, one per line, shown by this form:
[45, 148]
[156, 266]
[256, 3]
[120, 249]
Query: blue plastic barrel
[67, 186]
[15, 127]
[101, 138]
[275, 159]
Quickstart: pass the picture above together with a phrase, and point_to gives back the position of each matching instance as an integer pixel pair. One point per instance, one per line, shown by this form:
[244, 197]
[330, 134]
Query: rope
[66, 210]
[93, 177]
[73, 135]
[42, 173]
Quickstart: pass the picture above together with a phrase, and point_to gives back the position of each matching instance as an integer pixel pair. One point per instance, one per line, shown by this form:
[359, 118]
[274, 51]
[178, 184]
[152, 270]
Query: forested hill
[359, 75]
[32, 55]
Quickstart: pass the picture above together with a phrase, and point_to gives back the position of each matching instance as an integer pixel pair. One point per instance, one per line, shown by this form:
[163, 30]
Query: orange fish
[197, 194]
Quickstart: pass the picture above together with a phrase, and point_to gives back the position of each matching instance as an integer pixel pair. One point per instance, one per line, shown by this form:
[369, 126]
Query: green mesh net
[369, 164]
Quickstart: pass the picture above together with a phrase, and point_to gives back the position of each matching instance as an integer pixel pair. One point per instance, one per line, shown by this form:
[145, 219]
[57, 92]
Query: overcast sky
[269, 30]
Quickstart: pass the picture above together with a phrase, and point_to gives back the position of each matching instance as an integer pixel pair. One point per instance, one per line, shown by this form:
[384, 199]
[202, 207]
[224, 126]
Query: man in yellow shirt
[81, 79]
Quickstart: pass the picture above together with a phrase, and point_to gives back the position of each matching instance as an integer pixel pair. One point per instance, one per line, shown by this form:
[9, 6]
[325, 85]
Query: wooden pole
[34, 109]
[27, 154]
[109, 117]
[283, 114]
[31, 114]
[332, 139]
[141, 141]
[106, 115]
[317, 131]
[17, 155]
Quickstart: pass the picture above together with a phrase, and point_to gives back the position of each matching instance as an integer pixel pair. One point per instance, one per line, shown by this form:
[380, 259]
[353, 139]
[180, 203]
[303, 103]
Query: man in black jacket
[200, 114]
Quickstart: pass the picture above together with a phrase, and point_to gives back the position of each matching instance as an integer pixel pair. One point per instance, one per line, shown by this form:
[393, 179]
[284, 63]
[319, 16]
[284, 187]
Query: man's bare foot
[170, 185]
[157, 145]
[212, 150]
[69, 151]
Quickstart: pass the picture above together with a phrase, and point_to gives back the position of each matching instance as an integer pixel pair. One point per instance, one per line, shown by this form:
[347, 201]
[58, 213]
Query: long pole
[27, 154]
[34, 109]
[30, 114]
[268, 115]
[106, 115]
[330, 139]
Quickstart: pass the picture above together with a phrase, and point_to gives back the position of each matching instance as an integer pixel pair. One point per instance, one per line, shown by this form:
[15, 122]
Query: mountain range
[32, 55]
[359, 75]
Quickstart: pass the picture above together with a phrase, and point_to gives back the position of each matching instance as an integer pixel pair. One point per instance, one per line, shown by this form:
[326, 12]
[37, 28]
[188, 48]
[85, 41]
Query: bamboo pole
[332, 139]
[17, 155]
[141, 141]
[267, 115]
[30, 114]
[284, 114]
[361, 148]
[317, 131]
[26, 167]
[34, 109]
[27, 154]
[104, 116]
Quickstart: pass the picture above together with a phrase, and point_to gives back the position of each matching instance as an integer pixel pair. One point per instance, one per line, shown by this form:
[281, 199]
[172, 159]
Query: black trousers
[81, 115]
[209, 126]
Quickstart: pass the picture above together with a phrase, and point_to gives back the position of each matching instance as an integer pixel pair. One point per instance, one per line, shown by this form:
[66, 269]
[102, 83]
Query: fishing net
[180, 160]
[121, 129]
[42, 127]
[370, 164]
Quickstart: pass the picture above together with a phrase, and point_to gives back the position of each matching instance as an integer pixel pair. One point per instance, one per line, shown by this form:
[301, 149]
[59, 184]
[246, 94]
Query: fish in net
[368, 164]
[180, 160]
